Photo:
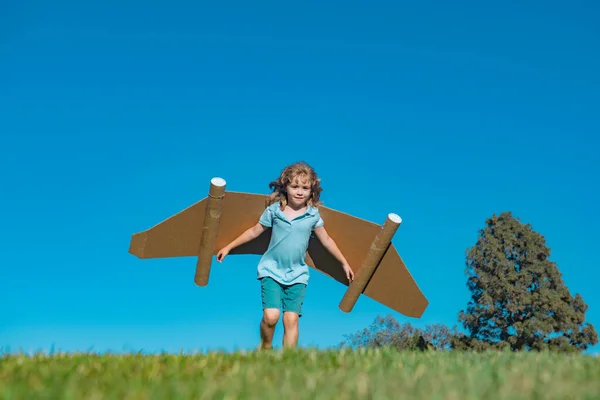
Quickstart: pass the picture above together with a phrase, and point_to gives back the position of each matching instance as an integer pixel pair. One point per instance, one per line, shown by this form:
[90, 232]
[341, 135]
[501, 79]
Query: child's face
[298, 191]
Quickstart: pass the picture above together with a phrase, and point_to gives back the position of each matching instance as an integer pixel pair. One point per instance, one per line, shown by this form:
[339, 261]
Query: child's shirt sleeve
[319, 222]
[266, 219]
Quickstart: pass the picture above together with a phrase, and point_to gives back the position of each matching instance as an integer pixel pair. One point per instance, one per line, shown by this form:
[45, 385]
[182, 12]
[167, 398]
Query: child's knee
[290, 320]
[271, 316]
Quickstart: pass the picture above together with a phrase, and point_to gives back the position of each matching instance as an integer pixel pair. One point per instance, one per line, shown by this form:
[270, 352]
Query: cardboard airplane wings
[205, 227]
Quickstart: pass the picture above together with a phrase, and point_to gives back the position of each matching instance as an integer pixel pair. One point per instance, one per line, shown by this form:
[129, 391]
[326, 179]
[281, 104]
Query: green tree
[518, 297]
[388, 332]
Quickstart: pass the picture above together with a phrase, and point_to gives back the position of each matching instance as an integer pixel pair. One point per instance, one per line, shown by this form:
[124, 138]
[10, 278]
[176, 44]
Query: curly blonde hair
[288, 174]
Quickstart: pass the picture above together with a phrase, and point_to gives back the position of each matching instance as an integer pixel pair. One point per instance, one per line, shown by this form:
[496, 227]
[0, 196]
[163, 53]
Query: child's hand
[349, 272]
[222, 254]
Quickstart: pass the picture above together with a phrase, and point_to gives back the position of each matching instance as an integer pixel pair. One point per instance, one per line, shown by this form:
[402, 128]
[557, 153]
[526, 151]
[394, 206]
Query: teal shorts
[276, 295]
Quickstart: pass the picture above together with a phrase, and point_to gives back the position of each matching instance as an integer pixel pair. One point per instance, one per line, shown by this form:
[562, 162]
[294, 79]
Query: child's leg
[293, 298]
[267, 327]
[271, 302]
[290, 329]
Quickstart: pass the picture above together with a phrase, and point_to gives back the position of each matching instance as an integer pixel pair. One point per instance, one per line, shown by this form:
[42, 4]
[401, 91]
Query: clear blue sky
[115, 115]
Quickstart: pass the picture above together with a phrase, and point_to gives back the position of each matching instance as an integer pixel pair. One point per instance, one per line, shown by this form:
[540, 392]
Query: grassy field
[301, 374]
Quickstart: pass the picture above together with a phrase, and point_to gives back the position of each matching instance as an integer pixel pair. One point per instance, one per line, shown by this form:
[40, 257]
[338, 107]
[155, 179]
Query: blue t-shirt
[284, 260]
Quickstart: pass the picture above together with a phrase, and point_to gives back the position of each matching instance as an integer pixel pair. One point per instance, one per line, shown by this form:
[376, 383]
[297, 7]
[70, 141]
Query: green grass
[302, 374]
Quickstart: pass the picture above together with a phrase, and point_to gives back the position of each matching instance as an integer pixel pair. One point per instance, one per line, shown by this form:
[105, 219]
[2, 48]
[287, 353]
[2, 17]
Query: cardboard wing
[205, 227]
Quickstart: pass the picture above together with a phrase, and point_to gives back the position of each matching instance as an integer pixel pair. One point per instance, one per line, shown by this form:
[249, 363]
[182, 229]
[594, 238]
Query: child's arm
[330, 245]
[248, 235]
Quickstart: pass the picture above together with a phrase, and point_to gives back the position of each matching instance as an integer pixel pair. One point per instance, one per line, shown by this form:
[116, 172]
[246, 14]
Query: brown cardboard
[210, 227]
[390, 284]
[370, 263]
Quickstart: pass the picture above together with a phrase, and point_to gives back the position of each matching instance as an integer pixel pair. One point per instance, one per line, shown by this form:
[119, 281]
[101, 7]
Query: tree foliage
[518, 297]
[388, 332]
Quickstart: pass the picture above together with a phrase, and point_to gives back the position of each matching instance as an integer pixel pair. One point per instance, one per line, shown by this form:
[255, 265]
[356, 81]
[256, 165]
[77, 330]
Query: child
[292, 214]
